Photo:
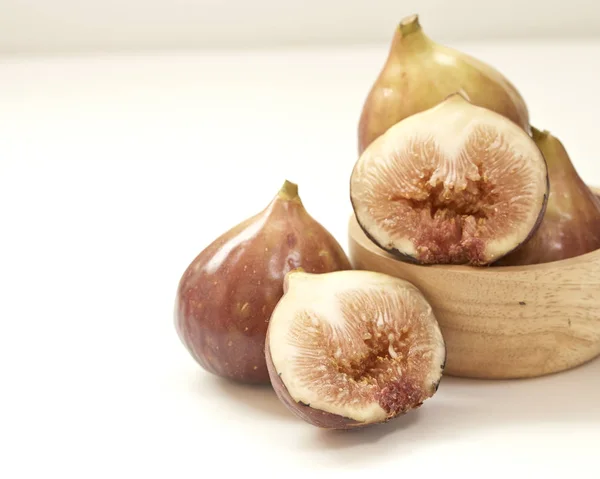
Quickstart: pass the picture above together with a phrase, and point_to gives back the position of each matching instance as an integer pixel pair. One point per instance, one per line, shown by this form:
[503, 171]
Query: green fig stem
[409, 25]
[289, 191]
[410, 38]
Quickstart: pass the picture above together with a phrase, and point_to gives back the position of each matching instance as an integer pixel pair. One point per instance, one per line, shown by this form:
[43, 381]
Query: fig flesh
[227, 294]
[455, 184]
[352, 348]
[420, 73]
[571, 224]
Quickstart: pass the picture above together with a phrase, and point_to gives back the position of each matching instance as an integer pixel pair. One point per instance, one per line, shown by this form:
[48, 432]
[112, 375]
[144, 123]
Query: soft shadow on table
[368, 435]
[258, 398]
[464, 406]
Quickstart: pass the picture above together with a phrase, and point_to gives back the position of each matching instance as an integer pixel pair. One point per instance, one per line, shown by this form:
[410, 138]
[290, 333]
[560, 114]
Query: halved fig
[455, 184]
[352, 348]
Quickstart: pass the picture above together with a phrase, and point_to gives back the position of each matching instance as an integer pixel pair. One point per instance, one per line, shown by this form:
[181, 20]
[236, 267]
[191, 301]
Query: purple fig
[571, 224]
[227, 294]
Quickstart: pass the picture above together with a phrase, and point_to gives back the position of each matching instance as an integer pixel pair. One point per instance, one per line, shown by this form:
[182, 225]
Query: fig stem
[289, 191]
[409, 25]
[290, 274]
[539, 134]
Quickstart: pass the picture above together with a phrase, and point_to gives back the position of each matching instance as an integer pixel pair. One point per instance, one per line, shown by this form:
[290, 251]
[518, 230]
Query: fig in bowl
[455, 184]
[226, 295]
[419, 73]
[353, 348]
[571, 223]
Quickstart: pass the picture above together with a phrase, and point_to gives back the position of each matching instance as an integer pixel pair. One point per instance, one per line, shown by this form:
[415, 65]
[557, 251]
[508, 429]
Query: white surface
[116, 171]
[82, 25]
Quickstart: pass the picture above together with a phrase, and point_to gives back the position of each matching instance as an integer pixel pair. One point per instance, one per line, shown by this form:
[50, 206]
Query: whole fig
[227, 294]
[571, 224]
[419, 73]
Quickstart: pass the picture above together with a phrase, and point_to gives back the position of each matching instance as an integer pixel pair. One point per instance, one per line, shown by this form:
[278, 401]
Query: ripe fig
[455, 184]
[226, 295]
[353, 348]
[571, 224]
[420, 73]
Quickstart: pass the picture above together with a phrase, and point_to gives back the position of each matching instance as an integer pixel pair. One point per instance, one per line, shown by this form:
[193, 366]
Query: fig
[571, 224]
[420, 73]
[352, 348]
[455, 184]
[226, 295]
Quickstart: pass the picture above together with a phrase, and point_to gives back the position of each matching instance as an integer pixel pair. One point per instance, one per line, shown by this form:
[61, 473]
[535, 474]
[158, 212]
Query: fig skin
[571, 224]
[327, 420]
[226, 295]
[419, 73]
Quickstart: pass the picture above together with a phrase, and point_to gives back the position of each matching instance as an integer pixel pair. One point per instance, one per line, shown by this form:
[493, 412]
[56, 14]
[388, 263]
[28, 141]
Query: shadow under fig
[570, 396]
[259, 398]
[341, 439]
[463, 407]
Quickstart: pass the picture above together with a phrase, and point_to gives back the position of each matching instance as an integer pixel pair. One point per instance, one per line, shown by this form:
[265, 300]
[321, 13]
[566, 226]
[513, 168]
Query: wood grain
[503, 322]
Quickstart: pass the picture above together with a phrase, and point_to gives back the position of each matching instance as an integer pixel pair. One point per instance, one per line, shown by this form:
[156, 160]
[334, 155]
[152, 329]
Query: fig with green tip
[227, 294]
[420, 73]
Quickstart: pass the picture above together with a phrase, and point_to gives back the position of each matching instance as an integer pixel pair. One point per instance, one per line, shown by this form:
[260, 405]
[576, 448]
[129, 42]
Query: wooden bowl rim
[358, 235]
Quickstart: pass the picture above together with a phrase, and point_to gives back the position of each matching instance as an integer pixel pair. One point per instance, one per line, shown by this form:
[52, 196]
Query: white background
[36, 26]
[116, 170]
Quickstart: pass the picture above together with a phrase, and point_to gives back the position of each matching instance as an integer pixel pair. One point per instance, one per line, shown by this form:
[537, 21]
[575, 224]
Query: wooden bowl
[503, 322]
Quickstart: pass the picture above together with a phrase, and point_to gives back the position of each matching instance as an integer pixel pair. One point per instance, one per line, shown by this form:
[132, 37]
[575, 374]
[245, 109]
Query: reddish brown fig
[226, 295]
[419, 73]
[571, 224]
[455, 184]
[353, 348]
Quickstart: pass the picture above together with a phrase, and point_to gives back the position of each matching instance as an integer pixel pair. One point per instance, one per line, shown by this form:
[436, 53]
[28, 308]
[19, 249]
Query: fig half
[419, 73]
[455, 184]
[571, 224]
[227, 294]
[353, 348]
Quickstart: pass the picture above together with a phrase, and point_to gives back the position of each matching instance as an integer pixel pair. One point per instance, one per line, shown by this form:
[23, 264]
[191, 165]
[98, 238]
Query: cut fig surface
[353, 348]
[455, 184]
